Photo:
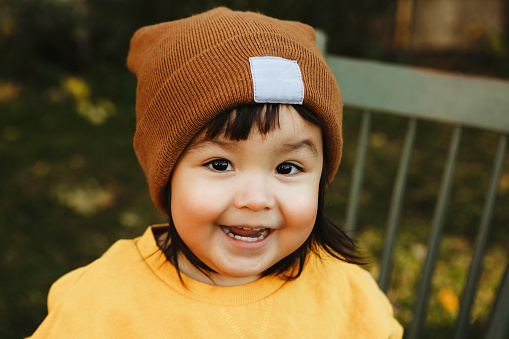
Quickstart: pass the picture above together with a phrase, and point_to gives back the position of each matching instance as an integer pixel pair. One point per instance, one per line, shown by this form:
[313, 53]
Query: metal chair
[375, 87]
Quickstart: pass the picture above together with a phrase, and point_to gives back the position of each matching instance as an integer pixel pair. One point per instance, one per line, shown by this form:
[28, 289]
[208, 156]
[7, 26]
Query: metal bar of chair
[435, 237]
[463, 319]
[396, 206]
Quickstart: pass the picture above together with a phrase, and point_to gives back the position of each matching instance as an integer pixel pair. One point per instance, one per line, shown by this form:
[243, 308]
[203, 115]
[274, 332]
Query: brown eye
[220, 165]
[287, 168]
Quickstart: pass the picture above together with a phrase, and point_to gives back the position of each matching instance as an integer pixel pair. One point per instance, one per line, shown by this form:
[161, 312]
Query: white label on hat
[276, 80]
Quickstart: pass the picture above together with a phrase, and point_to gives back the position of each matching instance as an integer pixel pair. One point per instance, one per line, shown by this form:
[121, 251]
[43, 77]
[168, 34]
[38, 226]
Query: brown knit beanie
[193, 69]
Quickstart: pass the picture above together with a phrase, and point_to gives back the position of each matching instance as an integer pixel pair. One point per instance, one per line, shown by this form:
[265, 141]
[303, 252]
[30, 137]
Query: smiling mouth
[245, 233]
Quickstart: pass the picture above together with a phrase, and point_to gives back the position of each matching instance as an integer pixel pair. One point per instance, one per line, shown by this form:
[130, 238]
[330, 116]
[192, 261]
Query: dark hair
[236, 124]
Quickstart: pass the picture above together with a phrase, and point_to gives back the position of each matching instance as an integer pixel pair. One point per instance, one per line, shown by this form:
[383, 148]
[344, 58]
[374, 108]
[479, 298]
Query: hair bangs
[238, 123]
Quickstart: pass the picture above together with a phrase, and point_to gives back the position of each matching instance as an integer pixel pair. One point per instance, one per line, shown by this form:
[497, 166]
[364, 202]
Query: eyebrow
[204, 142]
[306, 145]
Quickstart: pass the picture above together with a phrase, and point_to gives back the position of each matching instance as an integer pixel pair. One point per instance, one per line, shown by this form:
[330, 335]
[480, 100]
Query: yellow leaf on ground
[8, 91]
[448, 299]
[77, 87]
[504, 183]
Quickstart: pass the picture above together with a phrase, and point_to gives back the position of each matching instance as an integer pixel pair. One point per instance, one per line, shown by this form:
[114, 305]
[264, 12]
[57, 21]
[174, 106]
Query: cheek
[301, 210]
[193, 203]
[188, 215]
[299, 222]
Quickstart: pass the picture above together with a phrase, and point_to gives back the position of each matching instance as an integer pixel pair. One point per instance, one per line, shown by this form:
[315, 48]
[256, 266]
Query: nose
[254, 193]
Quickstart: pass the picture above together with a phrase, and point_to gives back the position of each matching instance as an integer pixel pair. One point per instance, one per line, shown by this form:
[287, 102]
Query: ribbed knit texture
[193, 69]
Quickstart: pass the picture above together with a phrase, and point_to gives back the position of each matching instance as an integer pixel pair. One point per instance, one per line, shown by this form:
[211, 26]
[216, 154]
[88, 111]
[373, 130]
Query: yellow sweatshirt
[132, 291]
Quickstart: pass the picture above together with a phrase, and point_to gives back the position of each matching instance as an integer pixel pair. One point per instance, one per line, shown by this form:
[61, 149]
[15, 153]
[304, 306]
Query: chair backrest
[425, 95]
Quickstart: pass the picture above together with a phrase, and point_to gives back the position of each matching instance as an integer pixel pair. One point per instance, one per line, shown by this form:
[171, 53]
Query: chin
[236, 273]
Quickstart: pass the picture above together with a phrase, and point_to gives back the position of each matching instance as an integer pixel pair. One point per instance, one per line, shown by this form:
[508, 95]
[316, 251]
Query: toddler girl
[239, 133]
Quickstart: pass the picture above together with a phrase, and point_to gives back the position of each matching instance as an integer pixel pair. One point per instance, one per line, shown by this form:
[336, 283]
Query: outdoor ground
[70, 184]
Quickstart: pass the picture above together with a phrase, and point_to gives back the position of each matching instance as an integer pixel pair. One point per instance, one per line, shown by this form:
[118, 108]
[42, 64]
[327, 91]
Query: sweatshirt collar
[211, 294]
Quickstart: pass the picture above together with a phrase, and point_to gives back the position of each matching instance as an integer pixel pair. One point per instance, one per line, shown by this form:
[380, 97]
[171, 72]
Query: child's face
[263, 191]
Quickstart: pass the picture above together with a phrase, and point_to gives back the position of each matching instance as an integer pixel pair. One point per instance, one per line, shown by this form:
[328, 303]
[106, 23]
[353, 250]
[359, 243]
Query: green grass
[470, 185]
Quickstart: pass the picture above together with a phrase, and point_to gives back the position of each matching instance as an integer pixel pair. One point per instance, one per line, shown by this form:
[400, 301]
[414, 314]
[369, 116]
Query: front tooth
[262, 236]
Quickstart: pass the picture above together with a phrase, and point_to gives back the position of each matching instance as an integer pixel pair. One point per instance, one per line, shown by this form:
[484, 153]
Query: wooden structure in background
[436, 25]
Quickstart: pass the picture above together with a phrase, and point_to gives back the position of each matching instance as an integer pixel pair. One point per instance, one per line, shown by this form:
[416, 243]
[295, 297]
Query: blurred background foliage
[70, 184]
